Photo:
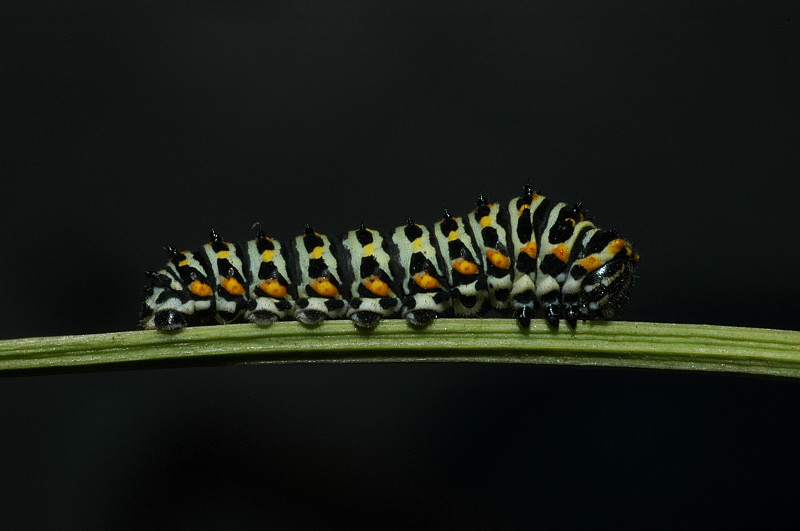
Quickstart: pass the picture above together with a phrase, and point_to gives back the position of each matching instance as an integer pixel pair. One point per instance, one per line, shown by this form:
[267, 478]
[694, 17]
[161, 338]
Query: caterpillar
[517, 258]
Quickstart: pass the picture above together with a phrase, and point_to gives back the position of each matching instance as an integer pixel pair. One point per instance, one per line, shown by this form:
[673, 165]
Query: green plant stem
[608, 344]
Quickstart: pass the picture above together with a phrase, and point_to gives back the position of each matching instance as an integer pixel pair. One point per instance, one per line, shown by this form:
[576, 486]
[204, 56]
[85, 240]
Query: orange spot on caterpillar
[531, 249]
[465, 267]
[273, 288]
[561, 252]
[377, 286]
[232, 286]
[498, 259]
[324, 287]
[590, 263]
[617, 245]
[426, 281]
[201, 289]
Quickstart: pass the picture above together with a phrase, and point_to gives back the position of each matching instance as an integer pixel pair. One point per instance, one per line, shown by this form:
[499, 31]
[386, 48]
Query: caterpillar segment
[487, 223]
[524, 214]
[462, 265]
[319, 293]
[516, 258]
[368, 271]
[564, 225]
[271, 293]
[426, 293]
[167, 305]
[224, 261]
[179, 295]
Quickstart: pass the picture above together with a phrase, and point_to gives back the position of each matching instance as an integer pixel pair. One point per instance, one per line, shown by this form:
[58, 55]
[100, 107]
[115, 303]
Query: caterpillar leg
[367, 311]
[421, 317]
[170, 320]
[310, 317]
[314, 310]
[365, 319]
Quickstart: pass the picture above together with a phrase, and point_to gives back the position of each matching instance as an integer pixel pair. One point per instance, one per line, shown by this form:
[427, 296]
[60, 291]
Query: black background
[133, 126]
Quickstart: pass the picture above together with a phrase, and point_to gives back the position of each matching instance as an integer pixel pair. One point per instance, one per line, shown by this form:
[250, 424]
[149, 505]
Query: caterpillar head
[602, 290]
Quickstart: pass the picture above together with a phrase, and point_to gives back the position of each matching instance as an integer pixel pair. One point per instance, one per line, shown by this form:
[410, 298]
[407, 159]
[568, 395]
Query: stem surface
[598, 343]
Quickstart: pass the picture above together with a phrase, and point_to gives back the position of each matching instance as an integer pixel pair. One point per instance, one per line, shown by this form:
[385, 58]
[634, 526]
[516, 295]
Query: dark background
[130, 127]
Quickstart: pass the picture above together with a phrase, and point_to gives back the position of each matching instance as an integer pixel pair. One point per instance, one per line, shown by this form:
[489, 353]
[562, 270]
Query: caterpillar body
[517, 258]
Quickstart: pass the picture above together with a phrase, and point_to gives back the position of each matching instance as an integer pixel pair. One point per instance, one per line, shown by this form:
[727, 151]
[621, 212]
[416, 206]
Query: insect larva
[517, 258]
